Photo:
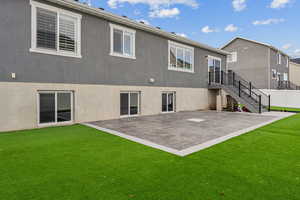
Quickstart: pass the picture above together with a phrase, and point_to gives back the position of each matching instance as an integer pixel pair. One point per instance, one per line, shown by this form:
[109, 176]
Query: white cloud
[239, 5]
[287, 46]
[144, 21]
[164, 13]
[267, 21]
[181, 34]
[153, 4]
[231, 28]
[207, 29]
[297, 52]
[279, 3]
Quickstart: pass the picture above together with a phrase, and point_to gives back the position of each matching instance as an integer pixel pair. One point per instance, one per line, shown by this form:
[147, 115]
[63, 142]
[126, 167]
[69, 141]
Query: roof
[296, 60]
[132, 23]
[256, 42]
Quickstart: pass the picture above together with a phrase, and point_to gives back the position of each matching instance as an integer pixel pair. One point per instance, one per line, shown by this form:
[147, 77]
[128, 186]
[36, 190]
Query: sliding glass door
[168, 101]
[129, 103]
[55, 107]
[214, 69]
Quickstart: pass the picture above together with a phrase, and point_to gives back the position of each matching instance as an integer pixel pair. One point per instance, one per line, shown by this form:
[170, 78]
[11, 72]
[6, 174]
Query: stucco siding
[252, 62]
[280, 68]
[96, 65]
[19, 102]
[294, 72]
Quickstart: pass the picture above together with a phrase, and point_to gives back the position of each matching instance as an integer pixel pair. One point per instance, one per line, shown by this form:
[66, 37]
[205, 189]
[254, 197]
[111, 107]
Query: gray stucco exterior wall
[252, 62]
[280, 68]
[255, 63]
[96, 65]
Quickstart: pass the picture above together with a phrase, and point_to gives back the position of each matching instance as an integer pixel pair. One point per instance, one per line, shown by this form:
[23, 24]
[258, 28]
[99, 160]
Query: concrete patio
[183, 133]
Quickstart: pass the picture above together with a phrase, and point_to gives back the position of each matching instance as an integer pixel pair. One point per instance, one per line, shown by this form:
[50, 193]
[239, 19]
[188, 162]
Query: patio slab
[183, 133]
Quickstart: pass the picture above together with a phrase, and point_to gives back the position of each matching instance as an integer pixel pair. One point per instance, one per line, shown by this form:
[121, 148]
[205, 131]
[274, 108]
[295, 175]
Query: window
[274, 74]
[168, 101]
[214, 69]
[287, 61]
[279, 76]
[55, 107]
[55, 31]
[181, 57]
[285, 76]
[122, 41]
[129, 103]
[278, 58]
[232, 57]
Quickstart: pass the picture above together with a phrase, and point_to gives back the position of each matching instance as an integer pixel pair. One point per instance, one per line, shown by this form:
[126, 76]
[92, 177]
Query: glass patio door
[214, 69]
[168, 101]
[129, 103]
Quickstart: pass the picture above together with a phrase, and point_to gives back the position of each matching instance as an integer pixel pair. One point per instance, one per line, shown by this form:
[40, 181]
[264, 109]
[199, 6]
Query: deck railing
[243, 88]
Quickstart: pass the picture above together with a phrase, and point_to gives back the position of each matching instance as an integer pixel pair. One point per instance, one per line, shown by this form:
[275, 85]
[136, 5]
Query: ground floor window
[168, 101]
[129, 103]
[55, 107]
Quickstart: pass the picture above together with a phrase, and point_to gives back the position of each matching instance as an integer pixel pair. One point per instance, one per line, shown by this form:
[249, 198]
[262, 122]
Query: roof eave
[125, 21]
[256, 42]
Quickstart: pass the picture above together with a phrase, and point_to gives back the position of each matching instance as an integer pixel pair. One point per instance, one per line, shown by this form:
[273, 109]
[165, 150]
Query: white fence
[284, 98]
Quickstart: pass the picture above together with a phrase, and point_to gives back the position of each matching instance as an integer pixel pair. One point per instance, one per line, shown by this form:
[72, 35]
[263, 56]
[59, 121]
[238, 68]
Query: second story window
[55, 31]
[232, 57]
[181, 57]
[279, 58]
[122, 41]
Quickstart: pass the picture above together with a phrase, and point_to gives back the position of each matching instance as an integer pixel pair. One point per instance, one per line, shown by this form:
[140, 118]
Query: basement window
[55, 107]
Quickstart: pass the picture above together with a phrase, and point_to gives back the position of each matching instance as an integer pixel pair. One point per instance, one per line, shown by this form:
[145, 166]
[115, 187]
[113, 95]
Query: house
[260, 63]
[65, 62]
[295, 71]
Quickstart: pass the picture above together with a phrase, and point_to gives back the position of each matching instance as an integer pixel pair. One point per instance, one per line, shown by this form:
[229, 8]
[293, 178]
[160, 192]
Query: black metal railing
[287, 85]
[243, 88]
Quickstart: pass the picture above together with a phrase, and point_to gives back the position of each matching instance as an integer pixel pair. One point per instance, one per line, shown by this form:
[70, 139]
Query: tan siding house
[295, 73]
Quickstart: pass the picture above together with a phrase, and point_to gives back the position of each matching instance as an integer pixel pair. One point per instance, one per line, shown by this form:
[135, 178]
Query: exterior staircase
[241, 90]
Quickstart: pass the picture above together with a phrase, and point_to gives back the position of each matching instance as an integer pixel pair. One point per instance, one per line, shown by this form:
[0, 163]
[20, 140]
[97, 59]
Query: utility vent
[197, 120]
[124, 16]
[101, 8]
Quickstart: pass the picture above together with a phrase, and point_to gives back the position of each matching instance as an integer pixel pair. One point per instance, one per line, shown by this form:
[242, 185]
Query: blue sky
[215, 22]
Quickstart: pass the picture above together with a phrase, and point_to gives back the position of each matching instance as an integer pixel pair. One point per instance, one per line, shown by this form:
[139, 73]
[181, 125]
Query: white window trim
[233, 57]
[34, 6]
[139, 105]
[174, 102]
[214, 58]
[170, 43]
[133, 32]
[279, 58]
[287, 62]
[55, 123]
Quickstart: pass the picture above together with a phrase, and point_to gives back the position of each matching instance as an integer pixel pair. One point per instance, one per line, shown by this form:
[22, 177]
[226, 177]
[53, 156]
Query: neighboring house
[64, 62]
[295, 71]
[260, 63]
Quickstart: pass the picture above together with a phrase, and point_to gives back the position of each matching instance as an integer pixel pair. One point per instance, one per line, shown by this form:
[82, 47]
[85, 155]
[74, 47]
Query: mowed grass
[81, 163]
[285, 109]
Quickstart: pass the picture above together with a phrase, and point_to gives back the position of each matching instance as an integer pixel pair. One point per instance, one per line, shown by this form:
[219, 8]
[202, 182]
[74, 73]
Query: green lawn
[284, 109]
[77, 162]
